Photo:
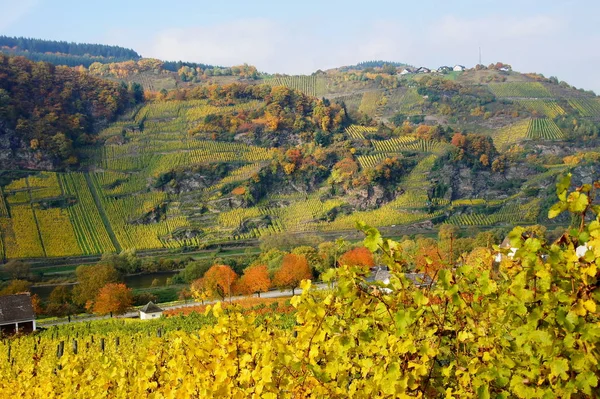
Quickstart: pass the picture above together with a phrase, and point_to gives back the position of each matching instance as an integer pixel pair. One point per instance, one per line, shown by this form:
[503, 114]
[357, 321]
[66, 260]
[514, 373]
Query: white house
[16, 314]
[407, 71]
[150, 311]
[458, 68]
[581, 250]
[505, 245]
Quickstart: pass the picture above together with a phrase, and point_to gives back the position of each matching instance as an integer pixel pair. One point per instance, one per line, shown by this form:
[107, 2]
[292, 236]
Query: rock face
[14, 153]
[368, 198]
[463, 182]
[227, 204]
[586, 174]
[154, 216]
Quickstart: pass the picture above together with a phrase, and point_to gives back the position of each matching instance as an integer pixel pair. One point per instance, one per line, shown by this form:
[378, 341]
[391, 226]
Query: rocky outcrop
[15, 154]
[368, 197]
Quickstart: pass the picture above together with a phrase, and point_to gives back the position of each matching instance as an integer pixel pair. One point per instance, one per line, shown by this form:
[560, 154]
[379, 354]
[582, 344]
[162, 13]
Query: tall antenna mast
[479, 55]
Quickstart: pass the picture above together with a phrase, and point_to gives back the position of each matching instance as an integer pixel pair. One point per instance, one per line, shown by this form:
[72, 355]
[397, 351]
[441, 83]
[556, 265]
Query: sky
[555, 38]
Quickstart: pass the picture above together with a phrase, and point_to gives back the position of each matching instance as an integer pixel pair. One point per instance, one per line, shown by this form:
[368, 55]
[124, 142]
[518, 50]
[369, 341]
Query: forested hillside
[220, 155]
[47, 111]
[65, 53]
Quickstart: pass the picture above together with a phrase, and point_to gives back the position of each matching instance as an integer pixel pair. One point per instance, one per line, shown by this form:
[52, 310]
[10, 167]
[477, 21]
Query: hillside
[46, 112]
[236, 156]
[65, 53]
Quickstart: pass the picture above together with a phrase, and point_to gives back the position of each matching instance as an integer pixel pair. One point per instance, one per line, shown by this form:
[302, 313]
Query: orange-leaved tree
[219, 280]
[428, 259]
[36, 304]
[360, 256]
[255, 280]
[113, 298]
[293, 270]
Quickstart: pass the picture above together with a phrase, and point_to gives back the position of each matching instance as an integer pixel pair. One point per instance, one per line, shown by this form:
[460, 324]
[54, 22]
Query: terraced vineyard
[549, 108]
[544, 129]
[57, 232]
[312, 85]
[89, 228]
[520, 90]
[20, 234]
[509, 135]
[512, 213]
[589, 107]
[397, 144]
[130, 196]
[357, 132]
[408, 143]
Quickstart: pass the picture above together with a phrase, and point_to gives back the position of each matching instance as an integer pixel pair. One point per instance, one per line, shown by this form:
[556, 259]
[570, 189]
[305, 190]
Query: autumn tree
[36, 304]
[360, 256]
[330, 252]
[60, 302]
[198, 290]
[293, 270]
[91, 279]
[219, 280]
[185, 294]
[428, 258]
[255, 280]
[16, 287]
[112, 298]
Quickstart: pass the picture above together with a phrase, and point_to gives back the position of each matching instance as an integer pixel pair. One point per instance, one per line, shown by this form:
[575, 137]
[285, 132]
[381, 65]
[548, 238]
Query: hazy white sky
[556, 38]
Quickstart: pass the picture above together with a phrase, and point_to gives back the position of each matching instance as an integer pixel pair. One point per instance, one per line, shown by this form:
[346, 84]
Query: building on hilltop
[444, 69]
[16, 314]
[423, 70]
[150, 311]
[459, 68]
[407, 70]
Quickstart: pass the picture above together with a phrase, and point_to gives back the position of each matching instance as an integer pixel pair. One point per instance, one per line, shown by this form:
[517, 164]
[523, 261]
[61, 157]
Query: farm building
[150, 311]
[423, 70]
[459, 68]
[16, 314]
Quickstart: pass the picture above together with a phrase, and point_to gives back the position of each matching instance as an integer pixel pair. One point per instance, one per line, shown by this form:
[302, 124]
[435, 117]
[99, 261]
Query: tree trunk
[293, 293]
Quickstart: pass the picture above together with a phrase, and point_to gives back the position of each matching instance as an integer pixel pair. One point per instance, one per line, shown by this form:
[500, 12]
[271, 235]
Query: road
[135, 314]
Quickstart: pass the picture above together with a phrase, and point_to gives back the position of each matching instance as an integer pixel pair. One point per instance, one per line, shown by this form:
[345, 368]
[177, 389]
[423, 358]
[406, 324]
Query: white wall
[148, 316]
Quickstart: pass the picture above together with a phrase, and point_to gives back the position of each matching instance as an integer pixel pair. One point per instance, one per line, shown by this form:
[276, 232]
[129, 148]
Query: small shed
[16, 314]
[150, 311]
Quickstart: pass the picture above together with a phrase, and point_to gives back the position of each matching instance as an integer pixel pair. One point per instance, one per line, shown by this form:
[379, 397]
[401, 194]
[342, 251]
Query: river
[135, 281]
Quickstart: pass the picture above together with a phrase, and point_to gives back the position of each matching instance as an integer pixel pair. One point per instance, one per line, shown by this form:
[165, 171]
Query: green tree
[17, 270]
